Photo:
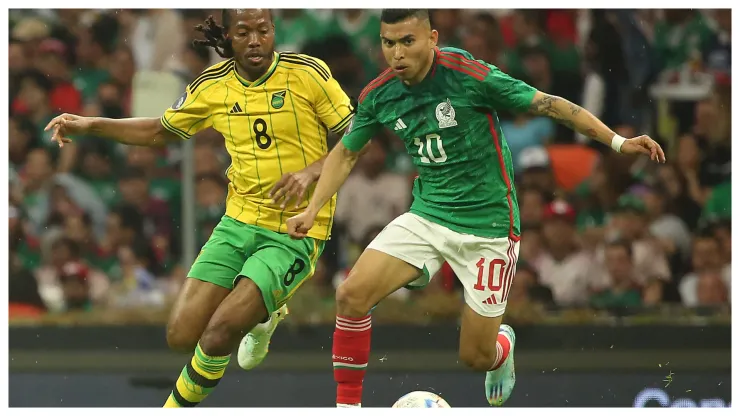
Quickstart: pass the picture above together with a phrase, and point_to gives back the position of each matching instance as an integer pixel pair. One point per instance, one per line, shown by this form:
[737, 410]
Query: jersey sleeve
[188, 115]
[499, 91]
[362, 128]
[332, 104]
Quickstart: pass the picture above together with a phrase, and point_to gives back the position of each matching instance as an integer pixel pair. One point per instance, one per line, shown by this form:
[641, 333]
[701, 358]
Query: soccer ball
[421, 399]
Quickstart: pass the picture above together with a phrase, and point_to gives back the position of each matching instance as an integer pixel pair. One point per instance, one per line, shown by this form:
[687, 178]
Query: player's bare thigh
[478, 336]
[375, 276]
[195, 305]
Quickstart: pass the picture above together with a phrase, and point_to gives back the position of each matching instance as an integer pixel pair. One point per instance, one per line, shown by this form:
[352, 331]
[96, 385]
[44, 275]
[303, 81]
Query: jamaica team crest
[278, 99]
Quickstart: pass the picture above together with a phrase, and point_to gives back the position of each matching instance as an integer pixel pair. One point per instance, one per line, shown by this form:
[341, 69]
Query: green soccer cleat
[254, 346]
[500, 382]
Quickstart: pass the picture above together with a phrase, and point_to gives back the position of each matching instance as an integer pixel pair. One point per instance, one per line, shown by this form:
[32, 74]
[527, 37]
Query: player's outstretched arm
[131, 131]
[334, 173]
[582, 121]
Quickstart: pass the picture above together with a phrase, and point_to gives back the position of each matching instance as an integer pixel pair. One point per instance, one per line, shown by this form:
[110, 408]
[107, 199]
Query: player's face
[252, 36]
[407, 47]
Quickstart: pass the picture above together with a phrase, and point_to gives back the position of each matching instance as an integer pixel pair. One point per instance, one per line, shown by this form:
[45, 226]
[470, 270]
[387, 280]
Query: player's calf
[374, 276]
[242, 309]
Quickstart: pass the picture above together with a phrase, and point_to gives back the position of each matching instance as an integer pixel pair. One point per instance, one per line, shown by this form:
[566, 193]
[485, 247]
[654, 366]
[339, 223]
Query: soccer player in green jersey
[442, 103]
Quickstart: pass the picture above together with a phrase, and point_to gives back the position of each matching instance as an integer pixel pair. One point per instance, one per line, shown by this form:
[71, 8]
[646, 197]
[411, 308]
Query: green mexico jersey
[449, 125]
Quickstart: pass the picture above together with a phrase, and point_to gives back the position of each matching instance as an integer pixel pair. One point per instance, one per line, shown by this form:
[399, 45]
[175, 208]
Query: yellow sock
[199, 377]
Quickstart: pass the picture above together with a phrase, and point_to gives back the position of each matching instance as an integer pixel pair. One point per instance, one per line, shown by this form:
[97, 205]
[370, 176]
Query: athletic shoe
[500, 382]
[254, 346]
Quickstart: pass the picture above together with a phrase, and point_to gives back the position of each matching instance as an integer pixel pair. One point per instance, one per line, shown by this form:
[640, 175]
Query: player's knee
[476, 359]
[217, 340]
[351, 301]
[180, 341]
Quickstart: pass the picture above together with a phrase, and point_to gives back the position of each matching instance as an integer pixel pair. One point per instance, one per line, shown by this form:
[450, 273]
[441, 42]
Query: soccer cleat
[500, 382]
[254, 346]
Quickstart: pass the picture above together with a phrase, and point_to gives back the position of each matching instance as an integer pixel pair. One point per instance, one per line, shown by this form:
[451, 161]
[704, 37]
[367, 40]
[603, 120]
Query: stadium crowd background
[97, 227]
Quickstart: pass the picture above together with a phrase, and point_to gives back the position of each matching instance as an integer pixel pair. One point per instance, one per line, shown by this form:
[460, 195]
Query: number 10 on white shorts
[484, 266]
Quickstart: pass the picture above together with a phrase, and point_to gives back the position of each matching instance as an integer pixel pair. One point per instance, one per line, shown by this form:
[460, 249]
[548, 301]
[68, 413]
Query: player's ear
[434, 37]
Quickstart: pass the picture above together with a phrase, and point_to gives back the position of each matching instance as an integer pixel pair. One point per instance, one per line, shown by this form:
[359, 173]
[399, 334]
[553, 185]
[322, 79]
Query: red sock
[503, 345]
[350, 353]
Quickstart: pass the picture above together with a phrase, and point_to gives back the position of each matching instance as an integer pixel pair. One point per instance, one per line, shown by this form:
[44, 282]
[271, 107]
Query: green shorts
[275, 262]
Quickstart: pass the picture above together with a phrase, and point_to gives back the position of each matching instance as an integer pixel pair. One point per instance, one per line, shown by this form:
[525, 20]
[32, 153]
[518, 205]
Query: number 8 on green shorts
[278, 264]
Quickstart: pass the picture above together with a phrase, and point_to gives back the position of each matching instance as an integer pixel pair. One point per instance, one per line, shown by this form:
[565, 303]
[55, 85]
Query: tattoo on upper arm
[552, 106]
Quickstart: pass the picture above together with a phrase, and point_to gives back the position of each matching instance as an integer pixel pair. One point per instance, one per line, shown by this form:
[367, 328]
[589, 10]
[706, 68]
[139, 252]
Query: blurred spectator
[447, 23]
[22, 136]
[536, 171]
[33, 99]
[623, 290]
[138, 286]
[672, 180]
[294, 28]
[711, 289]
[606, 92]
[533, 249]
[707, 258]
[672, 234]
[53, 61]
[681, 37]
[526, 131]
[66, 282]
[718, 52]
[17, 65]
[565, 268]
[97, 168]
[526, 288]
[629, 222]
[207, 160]
[93, 47]
[531, 206]
[156, 39]
[196, 59]
[361, 28]
[484, 40]
[371, 196]
[336, 51]
[210, 203]
[134, 187]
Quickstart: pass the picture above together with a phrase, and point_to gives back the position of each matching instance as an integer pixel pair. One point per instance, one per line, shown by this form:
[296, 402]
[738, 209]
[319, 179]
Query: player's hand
[299, 225]
[292, 185]
[65, 125]
[643, 145]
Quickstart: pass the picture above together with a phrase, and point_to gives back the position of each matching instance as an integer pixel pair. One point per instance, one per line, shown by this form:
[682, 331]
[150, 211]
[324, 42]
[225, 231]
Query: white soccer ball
[421, 399]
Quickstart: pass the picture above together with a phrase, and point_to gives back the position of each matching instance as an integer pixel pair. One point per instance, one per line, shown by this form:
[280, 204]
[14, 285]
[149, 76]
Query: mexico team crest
[446, 115]
[278, 99]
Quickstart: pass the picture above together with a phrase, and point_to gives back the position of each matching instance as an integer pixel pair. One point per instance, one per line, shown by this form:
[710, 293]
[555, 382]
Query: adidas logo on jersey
[400, 125]
[236, 109]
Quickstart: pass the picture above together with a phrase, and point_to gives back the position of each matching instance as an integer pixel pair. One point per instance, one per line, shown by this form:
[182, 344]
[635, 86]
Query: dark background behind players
[95, 231]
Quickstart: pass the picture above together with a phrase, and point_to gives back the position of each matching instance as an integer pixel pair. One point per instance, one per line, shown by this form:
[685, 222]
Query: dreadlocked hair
[215, 36]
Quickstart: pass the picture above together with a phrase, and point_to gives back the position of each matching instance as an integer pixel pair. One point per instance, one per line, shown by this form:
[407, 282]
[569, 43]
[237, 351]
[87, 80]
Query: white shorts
[484, 266]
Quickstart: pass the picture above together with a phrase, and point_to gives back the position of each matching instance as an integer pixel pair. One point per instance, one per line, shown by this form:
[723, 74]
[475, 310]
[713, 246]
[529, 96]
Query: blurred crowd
[99, 225]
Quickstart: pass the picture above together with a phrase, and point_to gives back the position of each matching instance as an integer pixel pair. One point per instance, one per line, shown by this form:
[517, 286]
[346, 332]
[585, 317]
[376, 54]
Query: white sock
[348, 405]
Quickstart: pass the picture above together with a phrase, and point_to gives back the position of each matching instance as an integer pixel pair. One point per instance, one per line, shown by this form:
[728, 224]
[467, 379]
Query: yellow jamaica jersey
[274, 125]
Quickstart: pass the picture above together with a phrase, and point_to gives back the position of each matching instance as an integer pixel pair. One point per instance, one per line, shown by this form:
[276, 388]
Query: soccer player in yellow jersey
[274, 111]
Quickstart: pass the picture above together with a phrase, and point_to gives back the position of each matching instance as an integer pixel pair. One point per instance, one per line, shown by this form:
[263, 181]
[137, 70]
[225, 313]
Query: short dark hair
[399, 15]
[130, 218]
[38, 79]
[74, 248]
[621, 243]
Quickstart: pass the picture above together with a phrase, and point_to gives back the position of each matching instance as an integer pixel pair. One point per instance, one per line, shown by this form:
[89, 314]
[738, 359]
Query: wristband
[617, 142]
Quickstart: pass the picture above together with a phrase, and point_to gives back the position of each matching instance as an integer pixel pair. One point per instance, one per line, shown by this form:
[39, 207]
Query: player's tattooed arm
[571, 115]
